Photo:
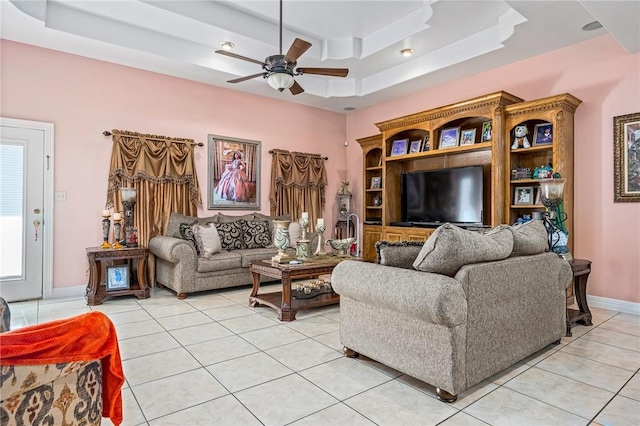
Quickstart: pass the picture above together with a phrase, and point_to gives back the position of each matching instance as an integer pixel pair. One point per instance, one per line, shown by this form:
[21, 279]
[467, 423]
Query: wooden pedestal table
[282, 301]
[581, 269]
[99, 259]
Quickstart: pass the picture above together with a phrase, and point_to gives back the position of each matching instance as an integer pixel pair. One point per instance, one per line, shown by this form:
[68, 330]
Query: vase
[281, 241]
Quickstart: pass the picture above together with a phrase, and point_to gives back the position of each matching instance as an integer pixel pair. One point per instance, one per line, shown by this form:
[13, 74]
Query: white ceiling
[451, 39]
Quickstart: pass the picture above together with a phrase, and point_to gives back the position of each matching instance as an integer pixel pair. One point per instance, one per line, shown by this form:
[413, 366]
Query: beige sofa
[179, 267]
[480, 304]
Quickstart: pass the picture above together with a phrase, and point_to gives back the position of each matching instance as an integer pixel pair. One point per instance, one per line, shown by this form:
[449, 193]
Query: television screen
[447, 195]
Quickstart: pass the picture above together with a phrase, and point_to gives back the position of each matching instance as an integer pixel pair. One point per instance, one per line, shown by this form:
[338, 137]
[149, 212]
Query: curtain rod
[324, 158]
[108, 133]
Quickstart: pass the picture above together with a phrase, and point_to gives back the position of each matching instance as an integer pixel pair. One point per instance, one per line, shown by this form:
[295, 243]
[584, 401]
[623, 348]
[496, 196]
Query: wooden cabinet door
[393, 235]
[418, 234]
[371, 235]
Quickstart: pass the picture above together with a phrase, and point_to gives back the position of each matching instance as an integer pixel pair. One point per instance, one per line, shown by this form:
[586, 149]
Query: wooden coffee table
[282, 300]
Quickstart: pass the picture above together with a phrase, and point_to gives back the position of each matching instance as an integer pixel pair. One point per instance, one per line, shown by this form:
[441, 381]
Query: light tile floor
[212, 360]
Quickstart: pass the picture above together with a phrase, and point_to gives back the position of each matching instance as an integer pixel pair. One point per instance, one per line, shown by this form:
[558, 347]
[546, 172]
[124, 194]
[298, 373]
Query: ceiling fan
[279, 70]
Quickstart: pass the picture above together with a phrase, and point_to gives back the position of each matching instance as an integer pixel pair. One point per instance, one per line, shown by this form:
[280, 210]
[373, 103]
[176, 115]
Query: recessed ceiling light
[591, 26]
[349, 108]
[406, 52]
[227, 45]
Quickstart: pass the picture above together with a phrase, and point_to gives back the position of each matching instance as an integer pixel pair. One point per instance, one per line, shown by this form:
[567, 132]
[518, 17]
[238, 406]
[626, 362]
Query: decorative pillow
[295, 234]
[451, 247]
[207, 240]
[175, 220]
[257, 234]
[529, 238]
[186, 233]
[232, 235]
[399, 254]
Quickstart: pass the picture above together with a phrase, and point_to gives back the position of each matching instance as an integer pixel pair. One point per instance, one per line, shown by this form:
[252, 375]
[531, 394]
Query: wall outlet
[61, 195]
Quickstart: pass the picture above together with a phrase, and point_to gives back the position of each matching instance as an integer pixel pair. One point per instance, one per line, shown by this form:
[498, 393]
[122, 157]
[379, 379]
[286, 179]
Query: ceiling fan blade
[332, 72]
[244, 58]
[249, 77]
[298, 47]
[296, 89]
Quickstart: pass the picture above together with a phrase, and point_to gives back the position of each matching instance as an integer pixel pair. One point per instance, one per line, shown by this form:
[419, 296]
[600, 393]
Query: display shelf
[527, 206]
[482, 146]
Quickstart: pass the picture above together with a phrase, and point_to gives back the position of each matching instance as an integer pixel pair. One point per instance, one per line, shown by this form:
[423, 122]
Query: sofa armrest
[431, 297]
[172, 249]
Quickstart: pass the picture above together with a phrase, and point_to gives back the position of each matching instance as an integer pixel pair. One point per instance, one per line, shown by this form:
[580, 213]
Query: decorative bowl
[341, 246]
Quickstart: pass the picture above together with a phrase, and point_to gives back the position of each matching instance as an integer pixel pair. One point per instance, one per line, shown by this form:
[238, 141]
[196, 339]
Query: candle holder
[320, 249]
[117, 231]
[128, 196]
[106, 224]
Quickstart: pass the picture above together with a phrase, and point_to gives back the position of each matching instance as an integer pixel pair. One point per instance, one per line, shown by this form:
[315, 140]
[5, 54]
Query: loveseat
[457, 309]
[185, 266]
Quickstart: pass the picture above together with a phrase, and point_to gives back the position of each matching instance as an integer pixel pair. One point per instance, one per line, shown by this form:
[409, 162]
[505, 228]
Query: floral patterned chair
[71, 392]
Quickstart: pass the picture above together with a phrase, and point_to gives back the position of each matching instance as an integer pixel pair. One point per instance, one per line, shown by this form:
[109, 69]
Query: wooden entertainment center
[382, 205]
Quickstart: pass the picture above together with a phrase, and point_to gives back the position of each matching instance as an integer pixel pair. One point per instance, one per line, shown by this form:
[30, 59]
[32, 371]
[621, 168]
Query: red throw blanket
[85, 337]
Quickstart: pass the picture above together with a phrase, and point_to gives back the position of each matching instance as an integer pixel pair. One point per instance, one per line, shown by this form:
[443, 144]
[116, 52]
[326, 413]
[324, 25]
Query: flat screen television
[432, 197]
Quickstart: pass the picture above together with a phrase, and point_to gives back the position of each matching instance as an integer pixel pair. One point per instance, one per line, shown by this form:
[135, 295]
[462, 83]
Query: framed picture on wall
[234, 173]
[626, 157]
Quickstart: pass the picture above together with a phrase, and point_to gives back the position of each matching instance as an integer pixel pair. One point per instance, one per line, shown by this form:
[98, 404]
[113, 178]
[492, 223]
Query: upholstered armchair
[65, 372]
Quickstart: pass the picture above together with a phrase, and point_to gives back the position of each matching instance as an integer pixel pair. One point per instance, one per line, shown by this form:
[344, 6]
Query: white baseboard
[614, 304]
[67, 292]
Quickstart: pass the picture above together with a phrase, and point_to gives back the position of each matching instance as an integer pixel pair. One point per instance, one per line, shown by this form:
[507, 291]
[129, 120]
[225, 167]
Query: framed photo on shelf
[376, 182]
[426, 146]
[543, 134]
[449, 137]
[415, 146]
[117, 277]
[487, 131]
[399, 147]
[626, 157]
[523, 195]
[468, 137]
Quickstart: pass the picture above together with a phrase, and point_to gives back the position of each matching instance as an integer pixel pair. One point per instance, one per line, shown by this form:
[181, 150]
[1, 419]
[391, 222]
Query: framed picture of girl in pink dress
[234, 173]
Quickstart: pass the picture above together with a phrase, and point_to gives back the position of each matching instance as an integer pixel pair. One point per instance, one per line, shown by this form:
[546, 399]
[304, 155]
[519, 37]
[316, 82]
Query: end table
[135, 261]
[581, 269]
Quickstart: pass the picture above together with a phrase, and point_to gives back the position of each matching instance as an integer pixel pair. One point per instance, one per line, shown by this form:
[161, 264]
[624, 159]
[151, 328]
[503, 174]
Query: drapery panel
[162, 170]
[298, 183]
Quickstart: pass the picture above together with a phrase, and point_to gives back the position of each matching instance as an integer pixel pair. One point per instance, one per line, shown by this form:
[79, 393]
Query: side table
[134, 259]
[581, 269]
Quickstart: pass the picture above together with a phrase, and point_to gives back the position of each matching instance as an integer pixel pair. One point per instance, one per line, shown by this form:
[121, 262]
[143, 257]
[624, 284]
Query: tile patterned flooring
[212, 360]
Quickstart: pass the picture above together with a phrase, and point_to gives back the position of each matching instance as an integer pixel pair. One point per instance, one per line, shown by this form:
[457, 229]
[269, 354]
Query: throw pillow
[399, 254]
[529, 238]
[257, 234]
[295, 234]
[186, 233]
[450, 247]
[207, 239]
[231, 235]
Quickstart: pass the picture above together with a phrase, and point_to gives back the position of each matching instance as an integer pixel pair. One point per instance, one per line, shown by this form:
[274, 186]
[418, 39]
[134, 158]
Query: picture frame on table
[399, 147]
[117, 278]
[376, 182]
[523, 195]
[414, 146]
[543, 134]
[426, 146]
[449, 138]
[233, 180]
[468, 137]
[626, 158]
[487, 131]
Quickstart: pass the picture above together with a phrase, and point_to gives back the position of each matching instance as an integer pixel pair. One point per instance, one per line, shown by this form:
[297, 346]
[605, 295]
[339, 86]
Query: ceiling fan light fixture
[406, 52]
[227, 45]
[280, 80]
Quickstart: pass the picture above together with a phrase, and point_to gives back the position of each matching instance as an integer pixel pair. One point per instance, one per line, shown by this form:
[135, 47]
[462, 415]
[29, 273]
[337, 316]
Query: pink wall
[84, 97]
[607, 79]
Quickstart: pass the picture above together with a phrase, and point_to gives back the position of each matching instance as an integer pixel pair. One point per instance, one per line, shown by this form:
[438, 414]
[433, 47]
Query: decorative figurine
[521, 140]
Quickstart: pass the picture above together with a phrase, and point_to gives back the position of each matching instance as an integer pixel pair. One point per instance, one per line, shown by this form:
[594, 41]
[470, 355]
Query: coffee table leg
[254, 290]
[286, 313]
